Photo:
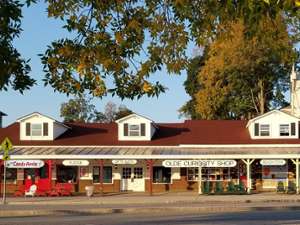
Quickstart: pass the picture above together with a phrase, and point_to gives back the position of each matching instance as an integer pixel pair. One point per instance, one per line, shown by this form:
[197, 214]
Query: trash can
[89, 191]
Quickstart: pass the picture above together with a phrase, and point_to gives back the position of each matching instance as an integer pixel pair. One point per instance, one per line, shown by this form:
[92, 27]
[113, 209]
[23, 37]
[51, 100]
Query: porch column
[200, 180]
[248, 163]
[50, 173]
[296, 162]
[101, 161]
[150, 165]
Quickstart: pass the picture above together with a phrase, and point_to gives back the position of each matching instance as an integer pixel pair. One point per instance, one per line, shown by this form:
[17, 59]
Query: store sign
[24, 164]
[272, 162]
[199, 163]
[124, 161]
[75, 162]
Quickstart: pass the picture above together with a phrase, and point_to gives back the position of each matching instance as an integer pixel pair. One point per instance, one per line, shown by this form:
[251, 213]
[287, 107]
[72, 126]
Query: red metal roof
[168, 134]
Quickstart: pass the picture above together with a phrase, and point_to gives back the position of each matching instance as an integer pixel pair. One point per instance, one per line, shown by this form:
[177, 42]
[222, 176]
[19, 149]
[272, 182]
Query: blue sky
[38, 32]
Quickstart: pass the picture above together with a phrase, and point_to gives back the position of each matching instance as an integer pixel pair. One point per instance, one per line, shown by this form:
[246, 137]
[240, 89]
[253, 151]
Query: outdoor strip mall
[136, 154]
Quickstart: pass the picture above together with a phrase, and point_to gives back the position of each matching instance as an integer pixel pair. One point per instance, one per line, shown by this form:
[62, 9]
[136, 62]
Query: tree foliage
[79, 109]
[192, 86]
[245, 75]
[127, 41]
[14, 69]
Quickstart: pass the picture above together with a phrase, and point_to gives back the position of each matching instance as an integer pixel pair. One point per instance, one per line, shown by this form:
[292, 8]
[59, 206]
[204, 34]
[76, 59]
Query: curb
[135, 210]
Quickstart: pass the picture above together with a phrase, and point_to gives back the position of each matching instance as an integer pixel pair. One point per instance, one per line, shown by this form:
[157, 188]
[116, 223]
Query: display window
[161, 174]
[107, 174]
[66, 174]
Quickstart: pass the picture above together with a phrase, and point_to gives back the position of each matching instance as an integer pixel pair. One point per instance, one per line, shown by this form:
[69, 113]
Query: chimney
[1, 115]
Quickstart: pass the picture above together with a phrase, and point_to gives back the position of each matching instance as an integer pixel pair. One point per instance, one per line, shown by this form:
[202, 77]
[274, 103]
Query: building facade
[138, 155]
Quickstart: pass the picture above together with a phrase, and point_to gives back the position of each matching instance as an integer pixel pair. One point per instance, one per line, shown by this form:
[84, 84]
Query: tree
[78, 109]
[127, 41]
[245, 75]
[122, 112]
[192, 86]
[14, 69]
[112, 113]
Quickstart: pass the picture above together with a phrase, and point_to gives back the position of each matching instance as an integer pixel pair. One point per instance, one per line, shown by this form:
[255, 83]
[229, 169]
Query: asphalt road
[253, 217]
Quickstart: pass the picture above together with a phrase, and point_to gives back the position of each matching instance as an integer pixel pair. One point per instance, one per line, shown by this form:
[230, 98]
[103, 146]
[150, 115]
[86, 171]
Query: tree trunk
[261, 97]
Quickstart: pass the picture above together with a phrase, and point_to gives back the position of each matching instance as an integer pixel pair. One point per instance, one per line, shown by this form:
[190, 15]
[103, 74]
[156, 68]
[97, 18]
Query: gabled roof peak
[132, 115]
[41, 115]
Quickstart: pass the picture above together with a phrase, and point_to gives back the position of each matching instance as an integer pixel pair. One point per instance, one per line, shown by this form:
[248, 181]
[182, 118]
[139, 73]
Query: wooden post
[200, 180]
[101, 176]
[150, 165]
[248, 163]
[296, 162]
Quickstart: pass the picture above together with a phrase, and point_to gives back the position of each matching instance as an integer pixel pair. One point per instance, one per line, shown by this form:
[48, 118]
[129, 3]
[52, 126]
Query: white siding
[54, 129]
[36, 119]
[274, 119]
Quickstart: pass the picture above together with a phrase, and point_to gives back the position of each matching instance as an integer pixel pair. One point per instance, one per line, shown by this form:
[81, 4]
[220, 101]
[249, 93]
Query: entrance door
[132, 179]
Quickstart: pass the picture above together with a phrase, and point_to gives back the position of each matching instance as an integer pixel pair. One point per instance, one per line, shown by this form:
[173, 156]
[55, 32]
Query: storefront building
[136, 154]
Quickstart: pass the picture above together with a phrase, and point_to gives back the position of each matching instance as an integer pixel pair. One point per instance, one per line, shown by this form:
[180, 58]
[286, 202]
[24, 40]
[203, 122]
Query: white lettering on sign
[272, 162]
[199, 163]
[124, 161]
[76, 162]
[24, 163]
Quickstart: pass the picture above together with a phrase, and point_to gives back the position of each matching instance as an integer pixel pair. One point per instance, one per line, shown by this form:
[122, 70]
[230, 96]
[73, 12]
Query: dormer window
[287, 129]
[284, 129]
[37, 129]
[134, 130]
[261, 129]
[264, 130]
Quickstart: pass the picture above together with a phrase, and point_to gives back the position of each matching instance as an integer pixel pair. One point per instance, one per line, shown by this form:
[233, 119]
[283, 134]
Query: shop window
[138, 173]
[11, 174]
[126, 173]
[107, 174]
[161, 174]
[284, 129]
[192, 174]
[264, 130]
[66, 174]
[216, 174]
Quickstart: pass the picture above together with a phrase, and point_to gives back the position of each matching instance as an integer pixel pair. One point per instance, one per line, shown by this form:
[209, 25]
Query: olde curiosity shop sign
[24, 164]
[199, 163]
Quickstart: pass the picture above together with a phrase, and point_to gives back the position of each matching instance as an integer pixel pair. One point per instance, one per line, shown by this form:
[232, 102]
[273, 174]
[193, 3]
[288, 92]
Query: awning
[66, 152]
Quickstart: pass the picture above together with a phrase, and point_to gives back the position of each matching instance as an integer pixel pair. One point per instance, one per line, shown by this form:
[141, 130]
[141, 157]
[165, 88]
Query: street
[250, 217]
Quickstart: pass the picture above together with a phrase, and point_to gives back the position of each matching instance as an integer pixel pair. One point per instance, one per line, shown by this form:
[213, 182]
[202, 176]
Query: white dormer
[135, 128]
[275, 124]
[36, 126]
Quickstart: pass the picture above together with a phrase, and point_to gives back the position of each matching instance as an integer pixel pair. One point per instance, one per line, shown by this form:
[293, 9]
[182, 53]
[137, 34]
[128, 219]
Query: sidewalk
[143, 203]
